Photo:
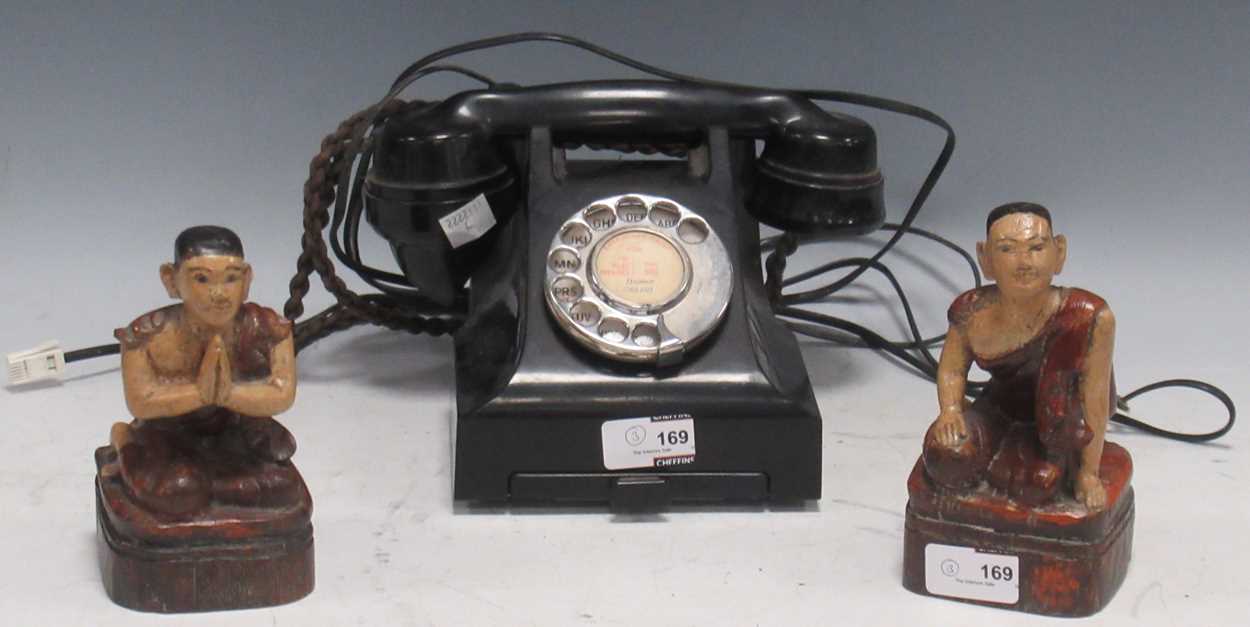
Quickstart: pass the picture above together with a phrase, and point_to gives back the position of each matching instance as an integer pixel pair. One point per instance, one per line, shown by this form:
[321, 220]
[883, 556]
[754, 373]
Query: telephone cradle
[605, 295]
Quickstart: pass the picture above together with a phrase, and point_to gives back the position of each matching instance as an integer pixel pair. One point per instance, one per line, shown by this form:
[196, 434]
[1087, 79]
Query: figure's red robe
[1027, 427]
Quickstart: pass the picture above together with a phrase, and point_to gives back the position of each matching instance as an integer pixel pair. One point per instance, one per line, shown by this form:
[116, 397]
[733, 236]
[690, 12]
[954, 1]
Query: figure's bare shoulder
[1104, 320]
[966, 306]
[157, 326]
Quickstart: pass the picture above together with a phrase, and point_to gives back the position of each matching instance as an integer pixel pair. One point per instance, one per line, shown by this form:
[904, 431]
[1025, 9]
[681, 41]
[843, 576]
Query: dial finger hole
[563, 260]
[600, 217]
[613, 330]
[692, 231]
[566, 289]
[575, 235]
[631, 210]
[585, 313]
[646, 335]
[664, 214]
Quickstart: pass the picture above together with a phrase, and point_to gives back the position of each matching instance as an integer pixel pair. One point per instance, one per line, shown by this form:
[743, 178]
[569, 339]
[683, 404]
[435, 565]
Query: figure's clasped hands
[215, 380]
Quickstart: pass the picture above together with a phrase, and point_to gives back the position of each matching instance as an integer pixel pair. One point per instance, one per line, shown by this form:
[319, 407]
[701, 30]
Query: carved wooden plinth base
[223, 559]
[1063, 560]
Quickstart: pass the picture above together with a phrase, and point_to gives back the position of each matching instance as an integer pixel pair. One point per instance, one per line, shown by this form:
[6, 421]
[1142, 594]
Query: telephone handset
[610, 301]
[818, 169]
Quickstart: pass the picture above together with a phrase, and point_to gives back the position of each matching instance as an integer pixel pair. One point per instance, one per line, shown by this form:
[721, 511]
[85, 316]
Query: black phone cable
[92, 352]
[1121, 416]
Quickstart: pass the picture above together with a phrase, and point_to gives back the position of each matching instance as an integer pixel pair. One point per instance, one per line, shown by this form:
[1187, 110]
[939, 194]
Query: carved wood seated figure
[1028, 434]
[1027, 459]
[165, 460]
[199, 505]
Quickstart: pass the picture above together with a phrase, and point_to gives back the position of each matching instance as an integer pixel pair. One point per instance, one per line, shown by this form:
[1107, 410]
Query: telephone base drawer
[634, 492]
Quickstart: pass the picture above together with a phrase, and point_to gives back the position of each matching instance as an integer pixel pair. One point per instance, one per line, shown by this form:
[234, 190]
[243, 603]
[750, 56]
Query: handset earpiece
[421, 195]
[819, 176]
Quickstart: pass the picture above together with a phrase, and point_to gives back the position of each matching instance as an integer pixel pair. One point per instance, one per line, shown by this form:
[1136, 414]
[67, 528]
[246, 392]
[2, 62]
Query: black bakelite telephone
[630, 291]
[616, 336]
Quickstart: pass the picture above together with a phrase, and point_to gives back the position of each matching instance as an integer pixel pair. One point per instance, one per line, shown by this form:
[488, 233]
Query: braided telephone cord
[338, 151]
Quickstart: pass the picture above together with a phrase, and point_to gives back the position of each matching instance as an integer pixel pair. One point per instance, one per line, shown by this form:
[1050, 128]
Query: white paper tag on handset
[652, 442]
[966, 573]
[468, 223]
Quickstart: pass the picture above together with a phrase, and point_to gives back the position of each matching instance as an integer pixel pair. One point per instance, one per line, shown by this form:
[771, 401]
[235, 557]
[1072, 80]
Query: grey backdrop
[122, 123]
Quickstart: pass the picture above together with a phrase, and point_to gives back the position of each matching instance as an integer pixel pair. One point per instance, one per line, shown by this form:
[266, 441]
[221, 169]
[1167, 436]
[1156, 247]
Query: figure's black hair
[1018, 207]
[206, 240]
